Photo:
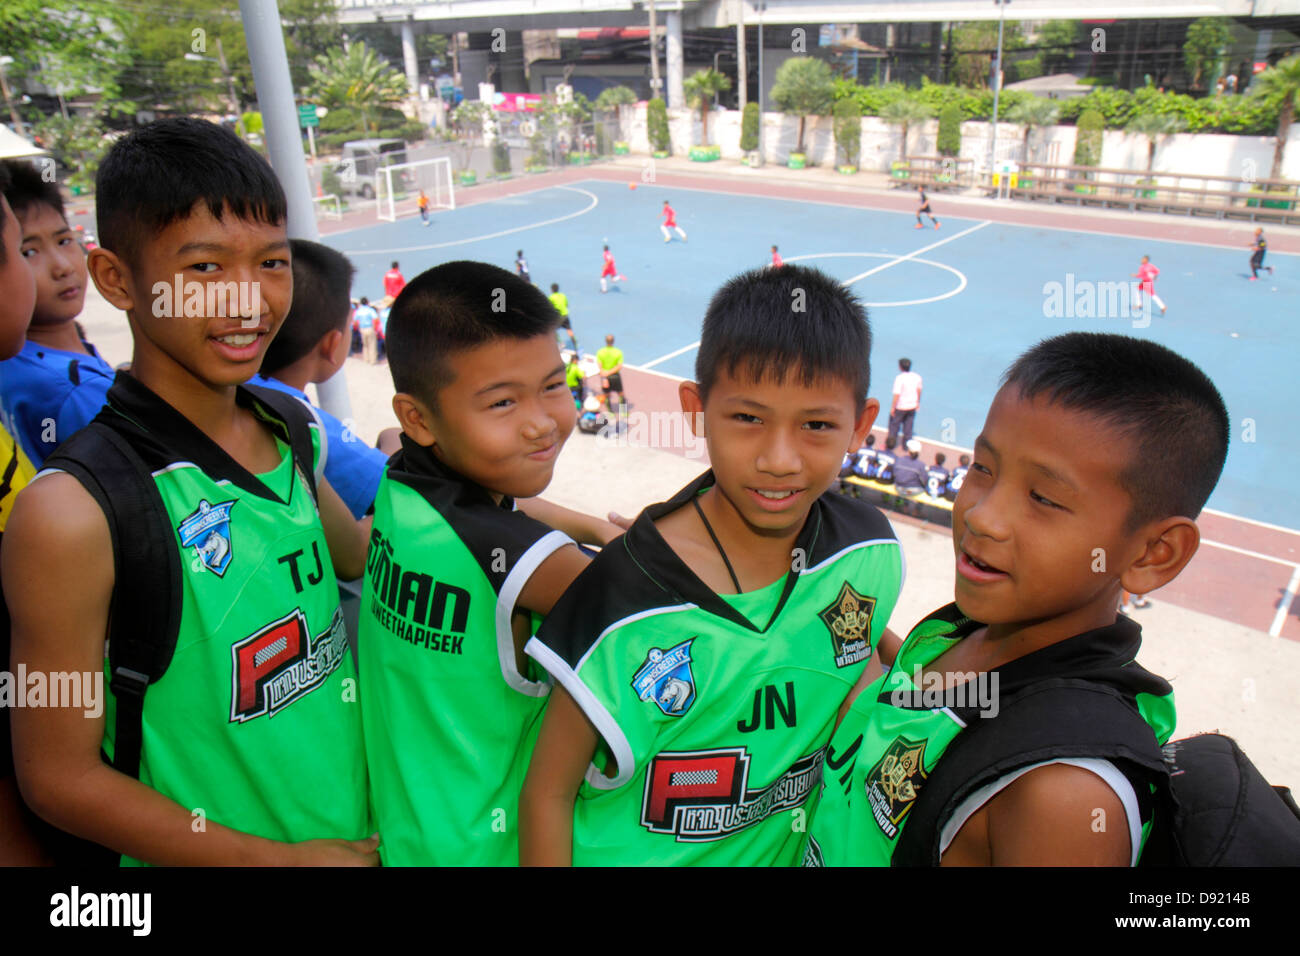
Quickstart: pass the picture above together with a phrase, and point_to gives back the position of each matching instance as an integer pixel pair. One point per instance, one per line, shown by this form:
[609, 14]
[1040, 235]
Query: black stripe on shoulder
[613, 587]
[845, 522]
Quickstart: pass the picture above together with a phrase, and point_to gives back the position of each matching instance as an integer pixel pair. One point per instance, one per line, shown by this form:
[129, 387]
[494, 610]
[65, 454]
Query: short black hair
[27, 186]
[940, 458]
[454, 307]
[555, 287]
[1150, 394]
[964, 460]
[774, 323]
[322, 281]
[156, 175]
[394, 265]
[905, 364]
[871, 439]
[4, 185]
[891, 442]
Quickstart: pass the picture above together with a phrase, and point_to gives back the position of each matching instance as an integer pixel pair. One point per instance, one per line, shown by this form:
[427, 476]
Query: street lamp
[760, 6]
[997, 82]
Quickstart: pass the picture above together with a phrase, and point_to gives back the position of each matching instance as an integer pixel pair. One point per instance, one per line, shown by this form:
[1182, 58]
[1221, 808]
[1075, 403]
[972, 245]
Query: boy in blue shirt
[936, 476]
[57, 383]
[311, 346]
[957, 477]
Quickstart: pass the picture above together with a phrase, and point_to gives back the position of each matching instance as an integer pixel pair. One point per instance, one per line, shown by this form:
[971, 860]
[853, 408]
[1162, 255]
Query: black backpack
[1212, 806]
[144, 616]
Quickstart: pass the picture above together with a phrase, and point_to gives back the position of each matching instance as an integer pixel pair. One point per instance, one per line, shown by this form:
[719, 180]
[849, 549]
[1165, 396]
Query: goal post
[327, 207]
[398, 187]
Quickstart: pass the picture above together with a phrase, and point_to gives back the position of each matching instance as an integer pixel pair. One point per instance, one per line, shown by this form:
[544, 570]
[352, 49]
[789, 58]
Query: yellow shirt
[609, 357]
[15, 472]
[560, 301]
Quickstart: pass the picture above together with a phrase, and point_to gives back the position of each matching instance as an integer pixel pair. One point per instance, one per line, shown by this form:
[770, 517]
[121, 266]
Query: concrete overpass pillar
[673, 27]
[408, 58]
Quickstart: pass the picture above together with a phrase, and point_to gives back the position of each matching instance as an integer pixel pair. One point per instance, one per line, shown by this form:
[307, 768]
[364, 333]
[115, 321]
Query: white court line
[493, 235]
[935, 245]
[961, 276]
[1262, 524]
[1250, 554]
[665, 358]
[1284, 608]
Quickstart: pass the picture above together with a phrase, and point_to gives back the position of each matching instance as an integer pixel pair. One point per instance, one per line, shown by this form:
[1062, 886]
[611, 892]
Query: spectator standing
[394, 282]
[366, 316]
[907, 399]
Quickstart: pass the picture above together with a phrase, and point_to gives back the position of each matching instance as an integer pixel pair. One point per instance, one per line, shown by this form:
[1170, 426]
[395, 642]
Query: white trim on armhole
[1102, 768]
[514, 583]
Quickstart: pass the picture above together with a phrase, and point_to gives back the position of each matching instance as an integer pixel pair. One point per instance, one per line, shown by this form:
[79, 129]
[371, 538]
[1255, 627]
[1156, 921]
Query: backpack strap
[1055, 718]
[298, 417]
[143, 621]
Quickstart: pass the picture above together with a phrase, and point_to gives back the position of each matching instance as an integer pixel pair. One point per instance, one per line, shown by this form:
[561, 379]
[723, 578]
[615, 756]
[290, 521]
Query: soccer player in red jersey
[610, 272]
[670, 222]
[1146, 275]
[776, 259]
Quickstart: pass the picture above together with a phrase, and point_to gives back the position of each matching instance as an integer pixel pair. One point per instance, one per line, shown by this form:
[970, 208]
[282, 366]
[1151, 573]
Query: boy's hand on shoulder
[335, 852]
[1058, 815]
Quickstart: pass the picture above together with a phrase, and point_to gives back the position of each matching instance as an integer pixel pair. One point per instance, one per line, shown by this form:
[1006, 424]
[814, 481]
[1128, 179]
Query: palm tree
[1155, 127]
[1283, 79]
[700, 89]
[1033, 113]
[358, 78]
[611, 98]
[905, 111]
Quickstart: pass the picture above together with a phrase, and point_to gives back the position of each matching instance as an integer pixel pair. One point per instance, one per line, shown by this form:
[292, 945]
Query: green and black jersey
[254, 724]
[715, 709]
[898, 729]
[450, 721]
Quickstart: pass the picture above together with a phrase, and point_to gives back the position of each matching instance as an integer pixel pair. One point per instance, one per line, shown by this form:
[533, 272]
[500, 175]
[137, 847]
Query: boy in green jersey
[701, 659]
[1097, 455]
[250, 741]
[456, 574]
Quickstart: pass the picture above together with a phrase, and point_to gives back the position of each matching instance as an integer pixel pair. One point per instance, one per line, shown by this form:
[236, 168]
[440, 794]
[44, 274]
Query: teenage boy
[367, 315]
[58, 382]
[20, 832]
[394, 281]
[701, 658]
[248, 748]
[610, 360]
[561, 303]
[312, 346]
[936, 476]
[957, 477]
[456, 574]
[670, 222]
[1056, 516]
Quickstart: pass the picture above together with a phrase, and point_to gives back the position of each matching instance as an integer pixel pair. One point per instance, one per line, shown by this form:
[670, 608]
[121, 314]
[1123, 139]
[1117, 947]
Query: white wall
[1208, 154]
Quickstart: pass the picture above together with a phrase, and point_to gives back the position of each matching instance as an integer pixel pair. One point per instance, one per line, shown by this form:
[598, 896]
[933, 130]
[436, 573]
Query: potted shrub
[470, 119]
[804, 87]
[611, 100]
[749, 134]
[700, 90]
[1087, 146]
[848, 134]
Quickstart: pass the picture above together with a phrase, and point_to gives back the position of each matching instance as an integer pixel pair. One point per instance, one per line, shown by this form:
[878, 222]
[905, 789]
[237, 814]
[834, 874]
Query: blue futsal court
[961, 301]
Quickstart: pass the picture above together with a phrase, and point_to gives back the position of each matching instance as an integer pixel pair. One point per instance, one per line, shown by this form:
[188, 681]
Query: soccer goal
[398, 187]
[327, 207]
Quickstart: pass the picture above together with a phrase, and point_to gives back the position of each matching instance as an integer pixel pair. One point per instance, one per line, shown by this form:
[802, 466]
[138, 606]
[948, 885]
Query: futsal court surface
[961, 301]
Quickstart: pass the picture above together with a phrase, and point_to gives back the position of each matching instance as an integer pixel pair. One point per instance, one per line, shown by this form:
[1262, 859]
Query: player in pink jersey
[670, 222]
[776, 259]
[610, 272]
[1146, 276]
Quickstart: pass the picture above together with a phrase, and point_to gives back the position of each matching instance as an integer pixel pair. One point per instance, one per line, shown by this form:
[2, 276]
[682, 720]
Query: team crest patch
[893, 783]
[207, 531]
[665, 678]
[848, 618]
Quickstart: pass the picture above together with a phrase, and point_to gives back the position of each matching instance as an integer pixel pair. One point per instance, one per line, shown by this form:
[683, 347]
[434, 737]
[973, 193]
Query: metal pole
[265, 39]
[742, 64]
[655, 83]
[997, 84]
[762, 158]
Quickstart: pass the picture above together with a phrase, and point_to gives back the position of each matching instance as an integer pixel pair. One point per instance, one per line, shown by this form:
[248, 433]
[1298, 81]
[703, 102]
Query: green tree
[1033, 114]
[1203, 50]
[609, 101]
[1155, 127]
[700, 89]
[848, 130]
[976, 46]
[357, 78]
[1088, 141]
[657, 126]
[949, 143]
[1057, 41]
[905, 113]
[471, 120]
[749, 127]
[77, 142]
[804, 87]
[1283, 82]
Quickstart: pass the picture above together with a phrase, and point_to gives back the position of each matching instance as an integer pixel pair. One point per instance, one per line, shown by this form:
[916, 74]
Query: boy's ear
[330, 348]
[112, 278]
[693, 406]
[1170, 544]
[862, 427]
[414, 417]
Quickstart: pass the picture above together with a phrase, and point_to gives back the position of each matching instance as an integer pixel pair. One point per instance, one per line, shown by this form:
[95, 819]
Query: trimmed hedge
[749, 128]
[1087, 146]
[657, 123]
[949, 143]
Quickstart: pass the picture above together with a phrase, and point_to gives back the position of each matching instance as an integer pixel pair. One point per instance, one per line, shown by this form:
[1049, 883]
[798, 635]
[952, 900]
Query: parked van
[362, 158]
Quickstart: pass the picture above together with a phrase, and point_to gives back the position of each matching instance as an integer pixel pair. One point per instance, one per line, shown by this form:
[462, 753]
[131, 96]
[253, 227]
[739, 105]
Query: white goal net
[397, 188]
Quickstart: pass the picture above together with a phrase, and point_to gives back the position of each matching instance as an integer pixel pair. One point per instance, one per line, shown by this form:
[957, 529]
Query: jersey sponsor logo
[894, 782]
[812, 854]
[665, 678]
[848, 618]
[207, 531]
[281, 663]
[413, 605]
[700, 796]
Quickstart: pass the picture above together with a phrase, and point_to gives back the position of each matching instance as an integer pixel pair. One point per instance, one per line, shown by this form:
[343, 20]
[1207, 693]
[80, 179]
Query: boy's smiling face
[239, 261]
[1042, 496]
[504, 418]
[58, 263]
[775, 447]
